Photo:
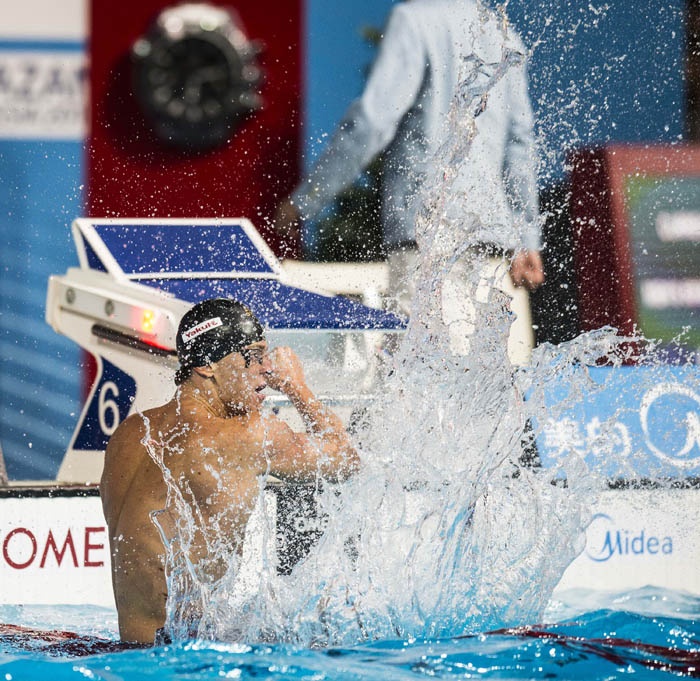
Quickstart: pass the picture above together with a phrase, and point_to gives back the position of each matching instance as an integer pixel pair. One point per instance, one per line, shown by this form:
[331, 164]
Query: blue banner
[629, 422]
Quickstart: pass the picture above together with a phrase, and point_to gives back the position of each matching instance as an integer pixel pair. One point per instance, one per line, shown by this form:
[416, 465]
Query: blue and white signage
[42, 92]
[107, 407]
[639, 538]
[627, 422]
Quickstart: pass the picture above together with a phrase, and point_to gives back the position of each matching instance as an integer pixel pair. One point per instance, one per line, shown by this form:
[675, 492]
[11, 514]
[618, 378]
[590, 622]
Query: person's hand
[526, 269]
[287, 223]
[286, 373]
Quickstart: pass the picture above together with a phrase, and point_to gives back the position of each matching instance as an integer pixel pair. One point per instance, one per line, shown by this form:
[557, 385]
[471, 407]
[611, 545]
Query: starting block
[135, 280]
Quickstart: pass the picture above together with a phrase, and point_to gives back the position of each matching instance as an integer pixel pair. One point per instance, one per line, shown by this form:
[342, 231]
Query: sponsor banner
[42, 94]
[630, 422]
[640, 538]
[54, 551]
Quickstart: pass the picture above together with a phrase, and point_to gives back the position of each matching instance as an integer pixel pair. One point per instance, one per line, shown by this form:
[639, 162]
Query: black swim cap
[211, 330]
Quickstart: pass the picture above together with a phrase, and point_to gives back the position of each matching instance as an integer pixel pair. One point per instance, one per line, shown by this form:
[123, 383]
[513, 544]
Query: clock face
[195, 88]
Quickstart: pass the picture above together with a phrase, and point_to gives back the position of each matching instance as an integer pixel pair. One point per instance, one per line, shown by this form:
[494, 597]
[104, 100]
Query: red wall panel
[131, 173]
[603, 253]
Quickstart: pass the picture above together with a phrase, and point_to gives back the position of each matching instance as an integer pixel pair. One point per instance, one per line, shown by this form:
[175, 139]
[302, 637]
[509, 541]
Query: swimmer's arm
[318, 419]
[327, 449]
[328, 441]
[287, 376]
[303, 458]
[122, 457]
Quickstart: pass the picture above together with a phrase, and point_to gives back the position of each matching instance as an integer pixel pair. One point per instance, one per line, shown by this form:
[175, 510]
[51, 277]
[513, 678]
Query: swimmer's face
[240, 377]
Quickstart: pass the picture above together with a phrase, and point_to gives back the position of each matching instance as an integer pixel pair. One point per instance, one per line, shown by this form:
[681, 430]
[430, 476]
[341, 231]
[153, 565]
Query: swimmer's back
[131, 488]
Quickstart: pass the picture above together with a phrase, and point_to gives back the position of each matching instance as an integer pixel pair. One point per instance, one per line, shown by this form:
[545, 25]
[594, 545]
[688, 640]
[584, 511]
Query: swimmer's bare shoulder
[125, 456]
[224, 457]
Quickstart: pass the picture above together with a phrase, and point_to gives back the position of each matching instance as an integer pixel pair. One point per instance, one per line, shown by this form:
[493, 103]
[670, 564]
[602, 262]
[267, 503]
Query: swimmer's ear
[204, 372]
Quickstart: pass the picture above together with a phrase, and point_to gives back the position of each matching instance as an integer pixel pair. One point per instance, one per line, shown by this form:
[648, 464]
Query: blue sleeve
[371, 121]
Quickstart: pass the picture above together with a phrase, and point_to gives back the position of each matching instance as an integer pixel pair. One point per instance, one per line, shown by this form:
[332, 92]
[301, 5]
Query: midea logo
[691, 424]
[617, 541]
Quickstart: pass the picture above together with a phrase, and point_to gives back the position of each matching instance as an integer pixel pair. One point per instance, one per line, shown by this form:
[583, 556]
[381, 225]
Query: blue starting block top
[183, 249]
[198, 259]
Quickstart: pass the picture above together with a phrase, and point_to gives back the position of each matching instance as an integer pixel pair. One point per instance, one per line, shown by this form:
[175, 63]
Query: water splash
[449, 528]
[442, 531]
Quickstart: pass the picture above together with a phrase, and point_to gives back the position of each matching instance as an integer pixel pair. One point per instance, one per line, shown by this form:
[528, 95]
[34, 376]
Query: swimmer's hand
[526, 269]
[332, 454]
[286, 373]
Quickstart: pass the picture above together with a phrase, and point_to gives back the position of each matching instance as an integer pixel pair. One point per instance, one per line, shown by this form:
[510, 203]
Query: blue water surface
[648, 633]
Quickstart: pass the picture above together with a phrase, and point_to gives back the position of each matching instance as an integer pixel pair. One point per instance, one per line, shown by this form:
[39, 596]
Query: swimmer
[217, 443]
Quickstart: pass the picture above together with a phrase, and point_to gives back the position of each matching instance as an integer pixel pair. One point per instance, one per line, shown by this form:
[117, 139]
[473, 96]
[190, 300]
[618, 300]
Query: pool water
[647, 633]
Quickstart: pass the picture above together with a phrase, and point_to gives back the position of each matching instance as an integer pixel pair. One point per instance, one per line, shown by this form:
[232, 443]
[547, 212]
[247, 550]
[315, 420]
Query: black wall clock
[195, 75]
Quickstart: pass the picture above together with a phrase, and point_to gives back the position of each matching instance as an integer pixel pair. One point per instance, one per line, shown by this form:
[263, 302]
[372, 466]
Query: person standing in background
[429, 49]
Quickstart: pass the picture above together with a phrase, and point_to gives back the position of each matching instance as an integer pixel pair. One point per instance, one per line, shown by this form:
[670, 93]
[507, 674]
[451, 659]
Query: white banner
[43, 94]
[54, 551]
[641, 538]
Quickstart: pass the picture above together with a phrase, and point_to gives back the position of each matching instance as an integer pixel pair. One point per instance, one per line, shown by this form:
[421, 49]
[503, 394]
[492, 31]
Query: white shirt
[429, 48]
